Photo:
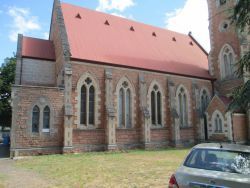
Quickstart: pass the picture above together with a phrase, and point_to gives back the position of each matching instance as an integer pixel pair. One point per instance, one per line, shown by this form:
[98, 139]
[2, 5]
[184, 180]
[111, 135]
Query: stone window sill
[125, 128]
[218, 132]
[46, 130]
[188, 127]
[88, 127]
[157, 127]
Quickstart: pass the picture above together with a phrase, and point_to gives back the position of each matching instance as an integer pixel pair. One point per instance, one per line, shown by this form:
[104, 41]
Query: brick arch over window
[156, 104]
[227, 62]
[125, 103]
[87, 100]
[217, 122]
[205, 98]
[41, 116]
[183, 106]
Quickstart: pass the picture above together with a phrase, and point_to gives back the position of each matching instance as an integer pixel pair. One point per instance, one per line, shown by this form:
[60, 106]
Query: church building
[101, 82]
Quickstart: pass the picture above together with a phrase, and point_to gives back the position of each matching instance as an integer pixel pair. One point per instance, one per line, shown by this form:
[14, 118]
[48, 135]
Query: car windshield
[219, 160]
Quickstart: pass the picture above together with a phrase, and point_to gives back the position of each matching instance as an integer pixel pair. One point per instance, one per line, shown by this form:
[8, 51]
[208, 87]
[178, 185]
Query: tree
[241, 14]
[7, 77]
[241, 95]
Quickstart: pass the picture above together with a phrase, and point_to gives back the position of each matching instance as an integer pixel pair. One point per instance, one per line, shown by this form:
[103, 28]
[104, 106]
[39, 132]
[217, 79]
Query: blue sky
[32, 17]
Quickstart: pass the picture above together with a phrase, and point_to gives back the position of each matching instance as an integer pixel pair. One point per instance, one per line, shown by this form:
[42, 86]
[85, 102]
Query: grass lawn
[2, 179]
[135, 168]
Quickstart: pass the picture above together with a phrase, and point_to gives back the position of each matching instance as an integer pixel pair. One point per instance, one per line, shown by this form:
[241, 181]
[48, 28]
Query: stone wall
[60, 40]
[188, 136]
[160, 137]
[221, 35]
[22, 138]
[38, 72]
[55, 36]
[218, 38]
[88, 140]
[240, 128]
[235, 127]
[129, 138]
[218, 107]
[95, 138]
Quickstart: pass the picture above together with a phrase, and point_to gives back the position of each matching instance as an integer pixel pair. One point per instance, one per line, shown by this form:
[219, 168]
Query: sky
[32, 17]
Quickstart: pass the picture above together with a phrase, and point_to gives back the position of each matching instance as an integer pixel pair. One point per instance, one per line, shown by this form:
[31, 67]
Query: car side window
[197, 159]
[219, 160]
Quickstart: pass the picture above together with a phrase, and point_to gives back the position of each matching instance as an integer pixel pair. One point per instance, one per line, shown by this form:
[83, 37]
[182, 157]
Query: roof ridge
[37, 38]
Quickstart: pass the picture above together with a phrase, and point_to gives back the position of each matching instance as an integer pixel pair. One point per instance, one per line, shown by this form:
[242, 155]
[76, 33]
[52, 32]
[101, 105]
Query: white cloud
[117, 14]
[192, 17]
[120, 5]
[22, 22]
[46, 35]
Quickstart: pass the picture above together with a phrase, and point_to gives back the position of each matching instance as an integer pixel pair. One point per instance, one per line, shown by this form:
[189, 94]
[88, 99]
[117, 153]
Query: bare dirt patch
[13, 177]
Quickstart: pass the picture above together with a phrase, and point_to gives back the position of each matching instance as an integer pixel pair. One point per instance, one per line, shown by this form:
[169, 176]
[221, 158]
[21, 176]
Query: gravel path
[14, 177]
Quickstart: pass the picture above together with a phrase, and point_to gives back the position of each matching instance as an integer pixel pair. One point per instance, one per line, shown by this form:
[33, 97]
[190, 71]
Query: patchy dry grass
[132, 169]
[2, 179]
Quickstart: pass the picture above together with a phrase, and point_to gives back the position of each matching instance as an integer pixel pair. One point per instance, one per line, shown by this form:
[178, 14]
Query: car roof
[223, 146]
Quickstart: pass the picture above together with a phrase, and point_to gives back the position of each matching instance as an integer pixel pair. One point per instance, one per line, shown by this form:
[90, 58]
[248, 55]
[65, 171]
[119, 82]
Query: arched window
[91, 104]
[218, 123]
[204, 101]
[87, 106]
[228, 63]
[83, 104]
[46, 119]
[183, 112]
[121, 109]
[124, 109]
[87, 114]
[156, 111]
[35, 119]
[128, 109]
[159, 107]
[153, 108]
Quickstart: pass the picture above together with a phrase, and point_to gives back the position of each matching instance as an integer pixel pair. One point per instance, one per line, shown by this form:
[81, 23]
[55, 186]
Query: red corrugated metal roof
[115, 43]
[38, 48]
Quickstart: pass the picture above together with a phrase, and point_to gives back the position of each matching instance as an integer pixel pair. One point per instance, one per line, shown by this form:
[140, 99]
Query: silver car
[214, 165]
